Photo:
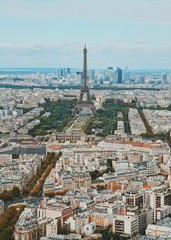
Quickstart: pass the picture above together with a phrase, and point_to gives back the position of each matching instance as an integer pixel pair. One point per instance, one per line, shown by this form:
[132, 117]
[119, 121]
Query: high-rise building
[164, 78]
[61, 72]
[119, 75]
[110, 74]
[91, 74]
[125, 225]
[133, 198]
[126, 76]
[68, 71]
[142, 79]
[79, 77]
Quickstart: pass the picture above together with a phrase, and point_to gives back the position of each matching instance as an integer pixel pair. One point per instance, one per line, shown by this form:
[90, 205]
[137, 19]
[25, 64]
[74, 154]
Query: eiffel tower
[85, 98]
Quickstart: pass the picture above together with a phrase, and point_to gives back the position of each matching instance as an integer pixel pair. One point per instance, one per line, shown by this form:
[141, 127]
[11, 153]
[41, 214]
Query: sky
[118, 33]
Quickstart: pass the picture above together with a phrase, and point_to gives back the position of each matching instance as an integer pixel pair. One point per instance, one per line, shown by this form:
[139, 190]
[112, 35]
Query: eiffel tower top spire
[85, 68]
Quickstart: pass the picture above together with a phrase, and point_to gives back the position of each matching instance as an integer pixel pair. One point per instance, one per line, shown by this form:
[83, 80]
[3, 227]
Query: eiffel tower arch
[85, 97]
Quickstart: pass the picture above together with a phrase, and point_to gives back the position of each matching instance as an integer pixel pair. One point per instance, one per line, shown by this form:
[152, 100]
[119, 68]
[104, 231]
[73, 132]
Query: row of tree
[147, 126]
[34, 187]
[8, 221]
[42, 173]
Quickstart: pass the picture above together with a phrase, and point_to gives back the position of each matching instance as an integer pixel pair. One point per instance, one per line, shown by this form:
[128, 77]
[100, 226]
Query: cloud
[76, 46]
[39, 46]
[112, 27]
[152, 12]
[100, 54]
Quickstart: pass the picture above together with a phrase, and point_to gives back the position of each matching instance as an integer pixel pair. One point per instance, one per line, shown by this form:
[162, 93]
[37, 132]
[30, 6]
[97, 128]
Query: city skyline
[117, 33]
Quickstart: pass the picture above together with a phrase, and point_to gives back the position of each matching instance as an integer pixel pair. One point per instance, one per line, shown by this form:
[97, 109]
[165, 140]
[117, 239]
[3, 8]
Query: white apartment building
[158, 231]
[127, 225]
[89, 228]
[120, 165]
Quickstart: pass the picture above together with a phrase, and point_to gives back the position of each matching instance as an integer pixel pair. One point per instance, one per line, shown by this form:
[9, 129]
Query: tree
[6, 195]
[109, 162]
[16, 192]
[64, 230]
[106, 118]
[100, 187]
[60, 116]
[101, 134]
[15, 156]
[7, 233]
[95, 174]
[8, 221]
[50, 195]
[34, 188]
[147, 126]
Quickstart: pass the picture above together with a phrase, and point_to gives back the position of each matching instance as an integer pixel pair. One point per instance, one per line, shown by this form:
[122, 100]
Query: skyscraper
[119, 75]
[68, 71]
[110, 74]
